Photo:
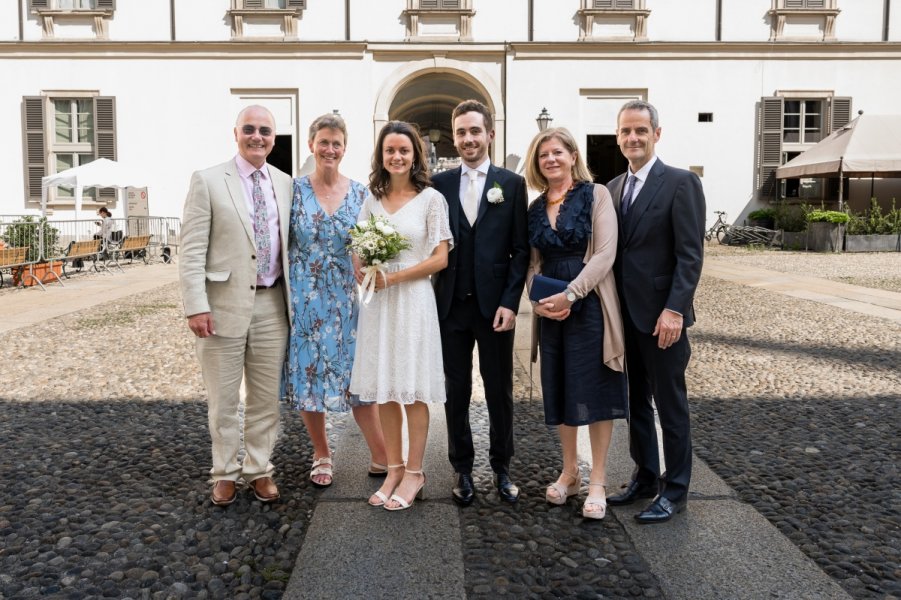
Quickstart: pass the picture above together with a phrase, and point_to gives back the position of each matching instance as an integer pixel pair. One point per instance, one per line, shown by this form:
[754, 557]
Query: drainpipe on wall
[21, 22]
[886, 10]
[719, 20]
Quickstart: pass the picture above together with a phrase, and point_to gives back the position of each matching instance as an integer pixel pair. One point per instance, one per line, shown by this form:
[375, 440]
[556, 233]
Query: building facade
[742, 85]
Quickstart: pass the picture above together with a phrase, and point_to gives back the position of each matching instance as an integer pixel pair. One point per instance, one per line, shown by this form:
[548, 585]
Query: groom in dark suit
[661, 214]
[478, 295]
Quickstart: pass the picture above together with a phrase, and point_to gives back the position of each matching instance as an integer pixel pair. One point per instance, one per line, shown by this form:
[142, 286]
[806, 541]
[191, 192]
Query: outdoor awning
[99, 173]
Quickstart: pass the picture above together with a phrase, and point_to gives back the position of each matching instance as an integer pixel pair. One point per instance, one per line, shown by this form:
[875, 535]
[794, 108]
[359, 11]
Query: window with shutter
[34, 139]
[791, 19]
[613, 20]
[611, 4]
[841, 112]
[769, 150]
[105, 134]
[270, 18]
[428, 19]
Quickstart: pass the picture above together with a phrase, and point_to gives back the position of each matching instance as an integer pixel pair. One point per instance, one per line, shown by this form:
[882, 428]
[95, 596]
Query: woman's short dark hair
[379, 179]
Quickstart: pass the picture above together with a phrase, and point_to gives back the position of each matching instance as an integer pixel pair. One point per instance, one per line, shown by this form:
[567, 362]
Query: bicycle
[719, 230]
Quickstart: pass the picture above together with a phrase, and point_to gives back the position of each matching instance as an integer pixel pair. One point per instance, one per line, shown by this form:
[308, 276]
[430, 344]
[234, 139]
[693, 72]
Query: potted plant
[763, 217]
[791, 219]
[29, 231]
[826, 230]
[873, 231]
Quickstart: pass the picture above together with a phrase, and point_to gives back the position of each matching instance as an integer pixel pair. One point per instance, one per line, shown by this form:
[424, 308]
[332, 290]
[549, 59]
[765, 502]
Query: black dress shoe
[464, 491]
[634, 491]
[661, 509]
[506, 489]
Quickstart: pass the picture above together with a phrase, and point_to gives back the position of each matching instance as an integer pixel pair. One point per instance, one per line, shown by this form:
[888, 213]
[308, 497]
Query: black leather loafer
[464, 491]
[634, 491]
[660, 510]
[506, 489]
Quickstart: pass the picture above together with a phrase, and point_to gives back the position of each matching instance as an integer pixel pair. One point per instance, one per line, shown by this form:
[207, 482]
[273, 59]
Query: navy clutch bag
[544, 287]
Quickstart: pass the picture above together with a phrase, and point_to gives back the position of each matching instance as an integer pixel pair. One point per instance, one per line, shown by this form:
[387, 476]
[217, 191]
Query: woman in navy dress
[324, 301]
[573, 235]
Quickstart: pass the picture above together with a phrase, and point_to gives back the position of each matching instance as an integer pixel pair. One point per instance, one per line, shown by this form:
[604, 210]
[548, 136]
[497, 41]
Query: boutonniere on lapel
[496, 194]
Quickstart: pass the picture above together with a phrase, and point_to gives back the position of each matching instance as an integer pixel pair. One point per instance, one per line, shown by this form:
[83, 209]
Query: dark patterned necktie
[260, 225]
[627, 195]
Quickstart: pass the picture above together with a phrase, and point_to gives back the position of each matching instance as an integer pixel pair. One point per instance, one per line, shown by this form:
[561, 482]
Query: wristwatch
[570, 295]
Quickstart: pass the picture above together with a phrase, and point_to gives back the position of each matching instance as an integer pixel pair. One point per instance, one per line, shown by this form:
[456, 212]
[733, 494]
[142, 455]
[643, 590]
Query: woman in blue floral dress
[323, 301]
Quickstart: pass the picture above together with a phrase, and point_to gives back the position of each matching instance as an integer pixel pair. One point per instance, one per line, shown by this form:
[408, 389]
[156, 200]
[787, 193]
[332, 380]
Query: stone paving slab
[353, 550]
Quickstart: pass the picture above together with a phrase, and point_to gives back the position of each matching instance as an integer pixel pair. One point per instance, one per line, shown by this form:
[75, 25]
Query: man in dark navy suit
[661, 213]
[478, 295]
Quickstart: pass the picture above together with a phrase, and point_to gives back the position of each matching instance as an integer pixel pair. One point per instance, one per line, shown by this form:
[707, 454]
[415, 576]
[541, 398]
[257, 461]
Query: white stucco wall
[687, 20]
[500, 20]
[377, 21]
[745, 21]
[9, 21]
[322, 21]
[556, 20]
[860, 20]
[147, 20]
[202, 21]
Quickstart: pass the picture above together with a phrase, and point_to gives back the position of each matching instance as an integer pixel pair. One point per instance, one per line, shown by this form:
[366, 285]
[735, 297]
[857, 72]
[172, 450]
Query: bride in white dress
[397, 360]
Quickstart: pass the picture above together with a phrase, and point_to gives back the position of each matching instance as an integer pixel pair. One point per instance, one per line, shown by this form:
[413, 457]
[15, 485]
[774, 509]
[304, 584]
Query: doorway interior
[604, 158]
[282, 156]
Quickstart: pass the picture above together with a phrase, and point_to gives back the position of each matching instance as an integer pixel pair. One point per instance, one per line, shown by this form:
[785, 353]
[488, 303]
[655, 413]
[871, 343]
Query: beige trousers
[257, 358]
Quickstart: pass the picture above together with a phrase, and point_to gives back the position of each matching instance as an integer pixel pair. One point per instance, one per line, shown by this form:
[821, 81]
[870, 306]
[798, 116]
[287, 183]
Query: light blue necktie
[627, 195]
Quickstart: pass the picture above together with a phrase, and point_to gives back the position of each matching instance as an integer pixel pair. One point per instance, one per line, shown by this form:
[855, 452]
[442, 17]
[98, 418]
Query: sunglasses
[250, 130]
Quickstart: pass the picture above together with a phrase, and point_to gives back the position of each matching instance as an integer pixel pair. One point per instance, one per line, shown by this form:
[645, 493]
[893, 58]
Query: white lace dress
[398, 352]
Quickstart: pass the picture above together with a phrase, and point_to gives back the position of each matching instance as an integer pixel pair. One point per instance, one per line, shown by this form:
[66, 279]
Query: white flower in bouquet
[376, 242]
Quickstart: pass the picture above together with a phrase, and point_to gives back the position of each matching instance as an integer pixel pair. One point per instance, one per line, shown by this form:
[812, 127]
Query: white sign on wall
[138, 205]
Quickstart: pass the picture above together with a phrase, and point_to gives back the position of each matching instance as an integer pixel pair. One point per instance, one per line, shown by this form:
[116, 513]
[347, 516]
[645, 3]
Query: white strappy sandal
[593, 501]
[381, 498]
[403, 504]
[564, 492]
[322, 466]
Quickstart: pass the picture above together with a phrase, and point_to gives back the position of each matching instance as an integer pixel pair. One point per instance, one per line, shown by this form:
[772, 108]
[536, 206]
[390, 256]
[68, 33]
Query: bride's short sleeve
[438, 221]
[366, 209]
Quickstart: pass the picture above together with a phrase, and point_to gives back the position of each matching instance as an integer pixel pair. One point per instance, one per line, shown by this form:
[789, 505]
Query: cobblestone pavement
[104, 451]
[796, 406]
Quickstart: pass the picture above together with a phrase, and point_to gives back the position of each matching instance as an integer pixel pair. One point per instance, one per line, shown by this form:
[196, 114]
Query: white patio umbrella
[868, 145]
[99, 173]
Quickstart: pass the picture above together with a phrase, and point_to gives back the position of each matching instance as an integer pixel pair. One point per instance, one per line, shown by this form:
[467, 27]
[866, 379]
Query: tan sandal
[564, 492]
[322, 466]
[595, 501]
[381, 498]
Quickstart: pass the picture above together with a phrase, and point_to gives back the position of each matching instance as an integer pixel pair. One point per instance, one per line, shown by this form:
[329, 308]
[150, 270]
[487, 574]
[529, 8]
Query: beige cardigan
[597, 275]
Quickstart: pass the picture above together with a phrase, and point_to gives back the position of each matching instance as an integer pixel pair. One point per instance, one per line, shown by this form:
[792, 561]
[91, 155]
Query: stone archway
[425, 92]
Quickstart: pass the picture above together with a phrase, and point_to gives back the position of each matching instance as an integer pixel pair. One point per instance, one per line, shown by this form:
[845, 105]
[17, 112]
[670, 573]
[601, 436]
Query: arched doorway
[425, 92]
[428, 101]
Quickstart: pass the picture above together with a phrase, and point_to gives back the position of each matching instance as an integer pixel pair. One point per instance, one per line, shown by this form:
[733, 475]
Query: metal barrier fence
[27, 242]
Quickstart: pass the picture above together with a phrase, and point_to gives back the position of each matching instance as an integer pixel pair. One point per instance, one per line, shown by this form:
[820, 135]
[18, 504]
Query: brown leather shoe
[264, 489]
[224, 492]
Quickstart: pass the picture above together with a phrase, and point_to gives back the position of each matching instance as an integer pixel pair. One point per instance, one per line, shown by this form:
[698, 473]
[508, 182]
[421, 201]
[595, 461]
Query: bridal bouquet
[376, 242]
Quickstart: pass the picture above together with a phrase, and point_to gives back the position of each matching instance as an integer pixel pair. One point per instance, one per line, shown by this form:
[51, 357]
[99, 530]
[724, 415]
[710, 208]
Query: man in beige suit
[234, 245]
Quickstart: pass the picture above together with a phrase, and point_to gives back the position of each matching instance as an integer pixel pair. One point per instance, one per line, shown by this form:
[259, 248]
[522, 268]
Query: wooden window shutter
[40, 4]
[627, 4]
[35, 144]
[297, 4]
[815, 4]
[106, 4]
[840, 114]
[428, 3]
[253, 3]
[105, 134]
[450, 3]
[795, 4]
[769, 151]
[602, 4]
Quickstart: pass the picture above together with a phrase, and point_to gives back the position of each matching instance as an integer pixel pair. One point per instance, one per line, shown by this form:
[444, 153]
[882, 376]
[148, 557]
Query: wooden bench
[12, 257]
[81, 251]
[132, 247]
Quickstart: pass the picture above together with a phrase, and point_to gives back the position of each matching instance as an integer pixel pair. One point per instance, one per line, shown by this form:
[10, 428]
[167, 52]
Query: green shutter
[840, 113]
[106, 4]
[35, 145]
[253, 3]
[40, 4]
[297, 4]
[769, 147]
[105, 134]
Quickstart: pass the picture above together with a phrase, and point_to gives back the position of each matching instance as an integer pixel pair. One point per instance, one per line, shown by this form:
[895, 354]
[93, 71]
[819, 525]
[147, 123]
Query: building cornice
[708, 50]
[237, 49]
[281, 49]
